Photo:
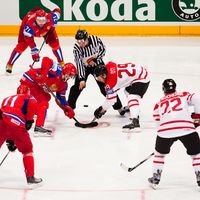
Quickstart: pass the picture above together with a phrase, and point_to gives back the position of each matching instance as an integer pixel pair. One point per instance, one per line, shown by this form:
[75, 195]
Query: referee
[88, 53]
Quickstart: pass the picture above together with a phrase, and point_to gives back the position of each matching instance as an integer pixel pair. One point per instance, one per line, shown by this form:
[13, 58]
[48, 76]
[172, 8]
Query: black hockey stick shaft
[147, 158]
[129, 169]
[4, 158]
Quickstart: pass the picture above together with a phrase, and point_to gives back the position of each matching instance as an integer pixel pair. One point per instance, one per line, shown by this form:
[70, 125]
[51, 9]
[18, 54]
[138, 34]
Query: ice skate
[134, 126]
[121, 111]
[124, 110]
[40, 131]
[8, 69]
[154, 181]
[34, 182]
[198, 177]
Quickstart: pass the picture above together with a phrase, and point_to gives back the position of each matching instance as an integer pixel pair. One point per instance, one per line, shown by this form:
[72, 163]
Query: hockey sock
[158, 162]
[133, 103]
[196, 162]
[28, 161]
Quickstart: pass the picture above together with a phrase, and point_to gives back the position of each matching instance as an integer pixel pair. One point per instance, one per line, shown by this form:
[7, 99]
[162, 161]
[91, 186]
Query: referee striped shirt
[81, 54]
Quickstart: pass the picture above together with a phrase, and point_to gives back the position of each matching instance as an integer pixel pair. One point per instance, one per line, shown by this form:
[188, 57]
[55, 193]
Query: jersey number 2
[175, 105]
[123, 69]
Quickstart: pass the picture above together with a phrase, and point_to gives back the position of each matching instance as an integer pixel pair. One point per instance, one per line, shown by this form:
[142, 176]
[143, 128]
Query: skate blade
[134, 130]
[153, 186]
[8, 74]
[39, 134]
[33, 186]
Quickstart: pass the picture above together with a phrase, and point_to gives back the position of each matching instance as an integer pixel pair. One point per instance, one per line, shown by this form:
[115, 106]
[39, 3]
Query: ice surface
[84, 164]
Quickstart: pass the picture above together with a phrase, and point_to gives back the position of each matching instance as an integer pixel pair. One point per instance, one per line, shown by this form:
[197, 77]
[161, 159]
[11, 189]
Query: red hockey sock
[13, 57]
[41, 114]
[28, 165]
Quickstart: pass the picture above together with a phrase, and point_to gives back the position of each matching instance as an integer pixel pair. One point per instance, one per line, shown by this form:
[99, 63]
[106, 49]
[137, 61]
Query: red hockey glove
[69, 112]
[35, 54]
[196, 118]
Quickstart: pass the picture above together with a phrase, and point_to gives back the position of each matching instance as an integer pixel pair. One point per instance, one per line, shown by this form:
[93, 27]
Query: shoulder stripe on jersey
[28, 77]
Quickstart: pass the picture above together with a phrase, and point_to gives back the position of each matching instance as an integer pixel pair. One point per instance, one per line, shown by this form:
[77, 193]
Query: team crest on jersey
[187, 10]
[108, 90]
[53, 87]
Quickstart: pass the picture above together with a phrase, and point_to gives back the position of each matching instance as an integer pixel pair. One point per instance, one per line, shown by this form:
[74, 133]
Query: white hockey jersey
[120, 76]
[173, 115]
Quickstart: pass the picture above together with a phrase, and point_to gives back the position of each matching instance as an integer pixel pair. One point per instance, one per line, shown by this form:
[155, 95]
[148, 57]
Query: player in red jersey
[175, 122]
[133, 78]
[37, 23]
[55, 77]
[16, 118]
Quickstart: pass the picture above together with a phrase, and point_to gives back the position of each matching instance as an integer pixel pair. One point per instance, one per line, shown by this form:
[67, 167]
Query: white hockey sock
[134, 105]
[196, 162]
[158, 162]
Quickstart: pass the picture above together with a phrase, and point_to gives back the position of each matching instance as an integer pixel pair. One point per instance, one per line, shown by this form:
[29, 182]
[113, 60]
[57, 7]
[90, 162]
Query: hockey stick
[129, 169]
[91, 124]
[4, 158]
[40, 48]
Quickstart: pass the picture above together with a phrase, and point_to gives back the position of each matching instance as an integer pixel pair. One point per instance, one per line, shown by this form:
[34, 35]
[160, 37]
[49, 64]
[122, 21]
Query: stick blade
[124, 167]
[89, 125]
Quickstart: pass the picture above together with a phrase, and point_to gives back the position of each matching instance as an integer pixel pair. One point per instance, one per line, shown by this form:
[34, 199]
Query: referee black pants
[75, 92]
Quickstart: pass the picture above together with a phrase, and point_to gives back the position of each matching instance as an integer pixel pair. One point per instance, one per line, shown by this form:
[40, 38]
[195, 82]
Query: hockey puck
[85, 105]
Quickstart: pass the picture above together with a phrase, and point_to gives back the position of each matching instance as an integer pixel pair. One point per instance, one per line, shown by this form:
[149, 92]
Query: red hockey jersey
[18, 109]
[31, 29]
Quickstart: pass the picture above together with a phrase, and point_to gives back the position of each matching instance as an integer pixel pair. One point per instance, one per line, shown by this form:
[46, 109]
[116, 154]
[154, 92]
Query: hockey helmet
[81, 35]
[69, 69]
[23, 89]
[99, 70]
[169, 86]
[41, 15]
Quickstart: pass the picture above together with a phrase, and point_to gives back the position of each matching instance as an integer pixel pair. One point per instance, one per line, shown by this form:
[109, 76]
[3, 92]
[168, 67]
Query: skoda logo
[187, 10]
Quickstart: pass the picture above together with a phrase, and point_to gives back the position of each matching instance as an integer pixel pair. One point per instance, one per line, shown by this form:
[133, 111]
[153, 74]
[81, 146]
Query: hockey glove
[69, 112]
[196, 118]
[11, 145]
[29, 124]
[99, 112]
[35, 54]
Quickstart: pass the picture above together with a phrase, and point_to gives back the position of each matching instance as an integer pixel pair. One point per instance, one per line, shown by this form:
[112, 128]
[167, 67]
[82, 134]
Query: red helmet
[41, 14]
[23, 89]
[69, 69]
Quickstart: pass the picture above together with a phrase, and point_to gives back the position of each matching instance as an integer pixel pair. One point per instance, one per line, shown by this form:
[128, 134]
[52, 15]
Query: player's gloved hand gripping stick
[91, 124]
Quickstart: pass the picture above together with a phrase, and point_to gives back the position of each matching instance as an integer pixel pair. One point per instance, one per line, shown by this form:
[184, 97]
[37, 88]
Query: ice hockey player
[16, 118]
[133, 78]
[37, 23]
[54, 77]
[175, 122]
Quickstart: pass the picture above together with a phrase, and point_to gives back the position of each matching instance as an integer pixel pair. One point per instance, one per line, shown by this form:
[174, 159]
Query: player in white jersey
[133, 78]
[175, 122]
